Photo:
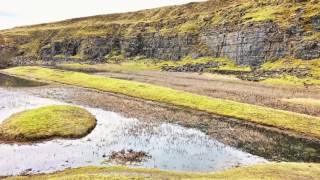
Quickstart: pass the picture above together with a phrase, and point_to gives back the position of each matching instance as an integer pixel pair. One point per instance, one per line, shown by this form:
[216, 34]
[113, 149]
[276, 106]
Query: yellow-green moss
[313, 36]
[153, 65]
[281, 13]
[32, 47]
[282, 119]
[47, 122]
[189, 27]
[289, 63]
[60, 56]
[274, 171]
[262, 14]
[288, 80]
[286, 64]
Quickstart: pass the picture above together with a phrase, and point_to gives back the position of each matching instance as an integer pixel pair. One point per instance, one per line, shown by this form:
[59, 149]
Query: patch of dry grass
[304, 101]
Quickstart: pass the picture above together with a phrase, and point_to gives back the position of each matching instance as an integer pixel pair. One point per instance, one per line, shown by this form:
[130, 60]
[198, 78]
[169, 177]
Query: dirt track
[228, 88]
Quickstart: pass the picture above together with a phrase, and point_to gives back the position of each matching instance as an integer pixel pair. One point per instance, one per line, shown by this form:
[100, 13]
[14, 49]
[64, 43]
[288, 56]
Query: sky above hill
[26, 12]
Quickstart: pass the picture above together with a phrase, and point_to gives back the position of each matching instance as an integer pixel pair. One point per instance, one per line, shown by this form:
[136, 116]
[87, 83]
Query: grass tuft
[47, 122]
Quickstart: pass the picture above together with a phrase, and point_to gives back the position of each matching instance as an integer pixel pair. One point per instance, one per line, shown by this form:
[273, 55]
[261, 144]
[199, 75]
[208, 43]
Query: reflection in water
[171, 147]
[10, 81]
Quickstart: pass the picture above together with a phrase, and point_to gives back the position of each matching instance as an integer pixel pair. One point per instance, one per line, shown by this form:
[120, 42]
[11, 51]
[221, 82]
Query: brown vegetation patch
[128, 157]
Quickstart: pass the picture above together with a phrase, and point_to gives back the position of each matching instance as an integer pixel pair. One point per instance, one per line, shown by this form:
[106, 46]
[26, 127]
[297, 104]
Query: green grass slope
[274, 171]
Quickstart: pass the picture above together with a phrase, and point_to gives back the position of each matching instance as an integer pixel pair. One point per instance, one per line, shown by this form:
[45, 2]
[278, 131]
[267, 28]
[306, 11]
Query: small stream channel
[172, 147]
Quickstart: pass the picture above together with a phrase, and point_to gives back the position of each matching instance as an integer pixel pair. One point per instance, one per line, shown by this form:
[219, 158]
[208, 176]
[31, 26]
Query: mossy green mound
[273, 171]
[47, 122]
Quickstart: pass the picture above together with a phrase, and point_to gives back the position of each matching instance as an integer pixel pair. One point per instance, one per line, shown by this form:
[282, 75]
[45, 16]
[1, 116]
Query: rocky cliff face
[149, 45]
[6, 53]
[239, 38]
[249, 45]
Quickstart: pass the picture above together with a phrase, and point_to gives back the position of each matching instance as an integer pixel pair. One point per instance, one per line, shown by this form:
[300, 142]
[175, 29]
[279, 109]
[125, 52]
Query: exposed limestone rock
[6, 53]
[307, 50]
[316, 22]
[67, 47]
[252, 45]
[169, 47]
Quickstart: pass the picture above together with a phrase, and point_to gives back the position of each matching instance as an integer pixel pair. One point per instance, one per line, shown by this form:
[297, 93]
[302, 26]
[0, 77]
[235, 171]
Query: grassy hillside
[186, 17]
[189, 18]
